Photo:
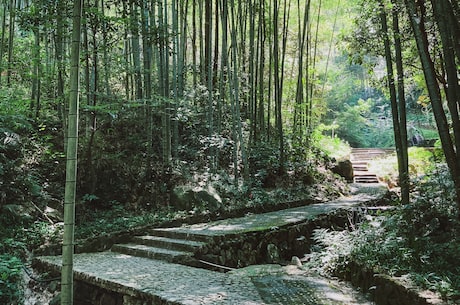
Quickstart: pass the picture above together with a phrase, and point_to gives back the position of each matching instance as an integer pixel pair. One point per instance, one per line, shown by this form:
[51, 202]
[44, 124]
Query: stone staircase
[169, 244]
[178, 245]
[360, 158]
[144, 271]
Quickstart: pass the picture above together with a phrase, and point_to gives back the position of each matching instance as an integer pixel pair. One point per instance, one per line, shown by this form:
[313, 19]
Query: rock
[296, 261]
[344, 169]
[188, 198]
[273, 254]
[54, 215]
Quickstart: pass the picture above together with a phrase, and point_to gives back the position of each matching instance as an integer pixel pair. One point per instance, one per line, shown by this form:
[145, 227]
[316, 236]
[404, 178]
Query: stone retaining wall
[280, 244]
[387, 290]
[277, 245]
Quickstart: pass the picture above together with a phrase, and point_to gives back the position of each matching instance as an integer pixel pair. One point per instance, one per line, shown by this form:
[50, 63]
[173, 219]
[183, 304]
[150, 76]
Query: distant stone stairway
[173, 246]
[360, 158]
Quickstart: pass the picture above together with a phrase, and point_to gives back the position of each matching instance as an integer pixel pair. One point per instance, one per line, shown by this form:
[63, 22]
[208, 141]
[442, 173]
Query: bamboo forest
[229, 152]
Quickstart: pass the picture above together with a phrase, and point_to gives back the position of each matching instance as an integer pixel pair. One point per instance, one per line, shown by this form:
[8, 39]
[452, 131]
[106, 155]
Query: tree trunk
[404, 170]
[2, 42]
[278, 82]
[136, 49]
[394, 102]
[59, 49]
[71, 165]
[194, 46]
[453, 18]
[105, 58]
[36, 75]
[209, 76]
[163, 70]
[452, 89]
[92, 102]
[126, 52]
[234, 96]
[223, 73]
[147, 57]
[418, 27]
[11, 41]
[299, 114]
[261, 36]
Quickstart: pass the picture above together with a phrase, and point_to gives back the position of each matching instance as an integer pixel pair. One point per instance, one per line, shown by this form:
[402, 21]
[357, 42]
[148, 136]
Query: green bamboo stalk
[71, 166]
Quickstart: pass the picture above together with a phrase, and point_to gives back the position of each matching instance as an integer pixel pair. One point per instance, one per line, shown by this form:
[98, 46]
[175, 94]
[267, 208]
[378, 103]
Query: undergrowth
[420, 163]
[10, 279]
[419, 241]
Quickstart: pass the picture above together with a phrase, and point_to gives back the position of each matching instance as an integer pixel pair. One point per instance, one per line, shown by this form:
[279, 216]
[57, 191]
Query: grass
[334, 147]
[420, 164]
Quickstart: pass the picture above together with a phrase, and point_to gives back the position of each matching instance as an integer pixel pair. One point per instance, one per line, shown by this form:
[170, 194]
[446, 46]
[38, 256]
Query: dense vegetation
[417, 242]
[253, 99]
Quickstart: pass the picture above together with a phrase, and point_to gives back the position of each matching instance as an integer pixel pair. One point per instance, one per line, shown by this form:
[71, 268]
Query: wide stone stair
[169, 245]
[145, 270]
[360, 158]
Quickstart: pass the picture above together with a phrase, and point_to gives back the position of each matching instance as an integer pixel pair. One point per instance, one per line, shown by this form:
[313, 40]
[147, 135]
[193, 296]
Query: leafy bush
[333, 147]
[419, 240]
[10, 280]
[365, 125]
[17, 182]
[421, 162]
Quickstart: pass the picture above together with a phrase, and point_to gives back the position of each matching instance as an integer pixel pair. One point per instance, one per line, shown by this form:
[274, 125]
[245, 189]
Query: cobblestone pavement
[258, 222]
[290, 285]
[178, 284]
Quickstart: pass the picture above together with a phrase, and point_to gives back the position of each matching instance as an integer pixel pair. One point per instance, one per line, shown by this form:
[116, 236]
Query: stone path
[360, 158]
[168, 283]
[164, 282]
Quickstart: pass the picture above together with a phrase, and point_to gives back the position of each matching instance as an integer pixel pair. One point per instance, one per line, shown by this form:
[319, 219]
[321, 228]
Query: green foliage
[419, 240]
[330, 250]
[10, 280]
[264, 164]
[365, 125]
[17, 183]
[118, 219]
[421, 162]
[332, 146]
[13, 104]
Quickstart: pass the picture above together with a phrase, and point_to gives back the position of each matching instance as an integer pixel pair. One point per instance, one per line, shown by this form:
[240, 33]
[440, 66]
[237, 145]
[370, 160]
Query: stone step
[381, 150]
[169, 243]
[359, 162]
[178, 233]
[364, 175]
[171, 256]
[365, 157]
[366, 179]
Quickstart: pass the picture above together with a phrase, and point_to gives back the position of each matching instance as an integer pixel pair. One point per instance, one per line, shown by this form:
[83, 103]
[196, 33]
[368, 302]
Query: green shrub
[11, 291]
[17, 182]
[421, 162]
[333, 147]
[419, 240]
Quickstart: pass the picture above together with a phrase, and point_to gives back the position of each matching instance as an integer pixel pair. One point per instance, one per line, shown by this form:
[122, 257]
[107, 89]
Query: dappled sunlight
[272, 220]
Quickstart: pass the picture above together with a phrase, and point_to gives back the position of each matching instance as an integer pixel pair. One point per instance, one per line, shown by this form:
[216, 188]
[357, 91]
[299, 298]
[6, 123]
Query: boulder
[188, 198]
[53, 214]
[344, 169]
